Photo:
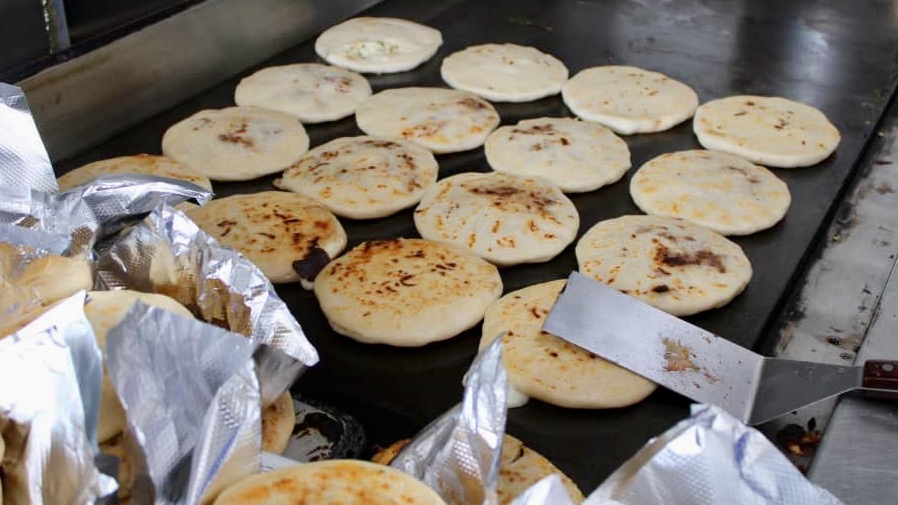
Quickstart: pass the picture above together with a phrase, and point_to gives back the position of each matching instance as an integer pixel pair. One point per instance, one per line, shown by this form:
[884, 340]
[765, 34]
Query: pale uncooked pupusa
[628, 99]
[575, 155]
[503, 218]
[378, 45]
[672, 264]
[771, 131]
[726, 193]
[363, 177]
[312, 92]
[236, 143]
[504, 72]
[442, 120]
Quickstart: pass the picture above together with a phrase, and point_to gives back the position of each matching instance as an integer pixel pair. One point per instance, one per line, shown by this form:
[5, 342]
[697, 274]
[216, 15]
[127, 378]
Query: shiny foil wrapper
[36, 210]
[548, 491]
[458, 454]
[116, 200]
[24, 161]
[192, 399]
[91, 211]
[35, 240]
[709, 459]
[52, 370]
[167, 253]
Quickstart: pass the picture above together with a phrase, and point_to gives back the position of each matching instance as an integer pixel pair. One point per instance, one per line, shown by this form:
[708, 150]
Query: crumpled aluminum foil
[24, 161]
[709, 459]
[37, 240]
[167, 253]
[548, 491]
[192, 399]
[458, 454]
[53, 370]
[91, 211]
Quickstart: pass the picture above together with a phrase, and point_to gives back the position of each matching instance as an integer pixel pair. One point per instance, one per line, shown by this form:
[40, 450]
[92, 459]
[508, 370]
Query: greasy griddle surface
[831, 54]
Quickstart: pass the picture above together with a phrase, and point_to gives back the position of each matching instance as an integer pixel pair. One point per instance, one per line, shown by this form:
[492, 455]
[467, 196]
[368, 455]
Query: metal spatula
[696, 363]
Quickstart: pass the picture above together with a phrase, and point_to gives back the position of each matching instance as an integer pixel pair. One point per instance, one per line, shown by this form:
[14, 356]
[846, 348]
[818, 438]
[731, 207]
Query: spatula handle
[881, 374]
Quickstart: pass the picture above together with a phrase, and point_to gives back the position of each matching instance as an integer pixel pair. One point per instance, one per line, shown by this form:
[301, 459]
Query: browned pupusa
[548, 368]
[672, 264]
[406, 292]
[503, 218]
[288, 236]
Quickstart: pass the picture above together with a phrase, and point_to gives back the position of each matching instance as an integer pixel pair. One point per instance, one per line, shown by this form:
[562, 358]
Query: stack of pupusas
[35, 278]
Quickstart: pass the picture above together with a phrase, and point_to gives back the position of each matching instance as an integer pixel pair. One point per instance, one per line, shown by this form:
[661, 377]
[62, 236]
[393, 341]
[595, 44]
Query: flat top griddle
[837, 56]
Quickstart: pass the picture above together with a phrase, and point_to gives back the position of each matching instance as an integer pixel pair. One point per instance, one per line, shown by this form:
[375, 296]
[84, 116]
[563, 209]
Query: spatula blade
[663, 348]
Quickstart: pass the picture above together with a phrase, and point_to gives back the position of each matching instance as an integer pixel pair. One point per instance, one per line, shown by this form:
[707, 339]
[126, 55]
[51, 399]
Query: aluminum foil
[52, 369]
[37, 240]
[36, 210]
[192, 399]
[709, 459]
[548, 491]
[92, 211]
[458, 454]
[24, 161]
[167, 253]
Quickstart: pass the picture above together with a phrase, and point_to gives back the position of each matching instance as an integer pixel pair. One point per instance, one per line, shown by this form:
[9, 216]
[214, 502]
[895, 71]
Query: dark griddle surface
[838, 56]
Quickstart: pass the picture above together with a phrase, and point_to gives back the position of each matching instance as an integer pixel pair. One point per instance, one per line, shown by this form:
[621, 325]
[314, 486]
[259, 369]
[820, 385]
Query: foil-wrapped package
[548, 491]
[24, 161]
[45, 419]
[167, 253]
[192, 399]
[458, 454]
[709, 459]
